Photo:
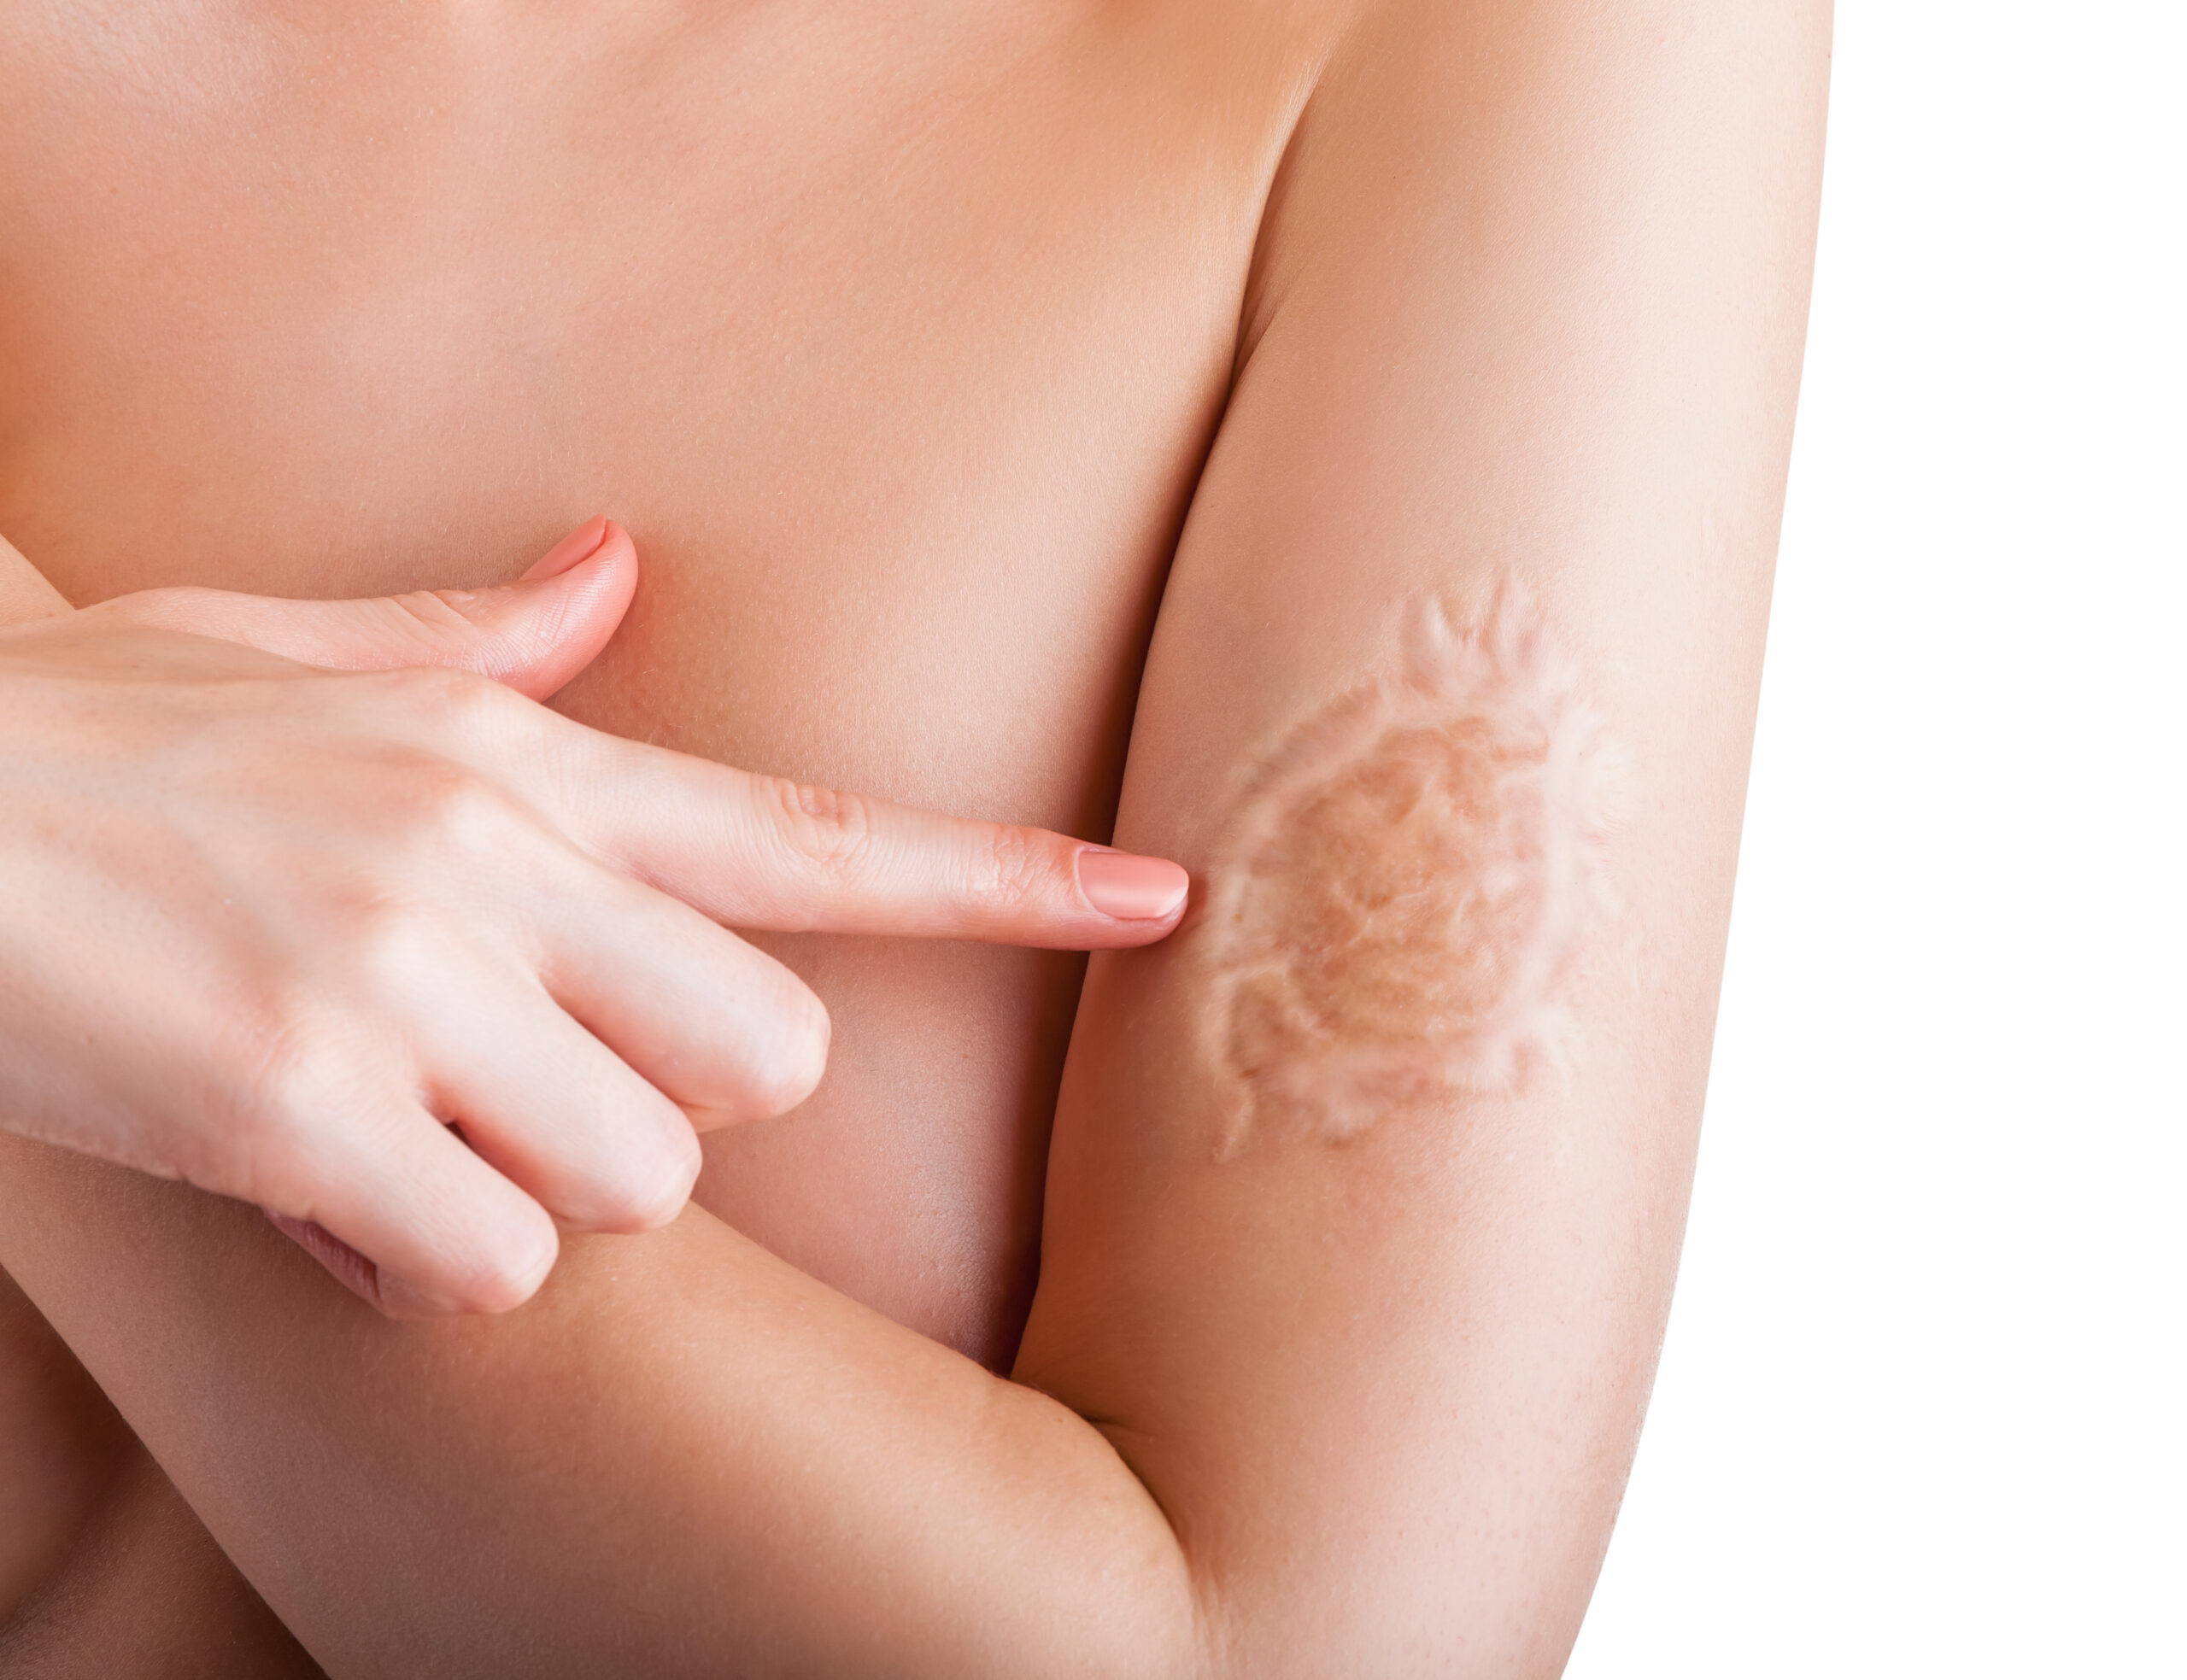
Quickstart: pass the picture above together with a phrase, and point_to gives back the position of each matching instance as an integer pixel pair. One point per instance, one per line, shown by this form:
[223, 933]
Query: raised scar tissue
[1408, 883]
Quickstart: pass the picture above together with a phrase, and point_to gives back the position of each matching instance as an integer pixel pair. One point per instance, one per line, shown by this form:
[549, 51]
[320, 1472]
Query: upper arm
[1524, 327]
[1366, 1187]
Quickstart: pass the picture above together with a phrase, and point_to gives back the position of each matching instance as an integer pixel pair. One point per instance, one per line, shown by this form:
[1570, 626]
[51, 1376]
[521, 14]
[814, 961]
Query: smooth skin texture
[1521, 293]
[279, 933]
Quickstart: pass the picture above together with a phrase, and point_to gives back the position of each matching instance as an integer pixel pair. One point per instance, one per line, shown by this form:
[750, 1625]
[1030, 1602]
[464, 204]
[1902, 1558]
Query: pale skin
[1036, 418]
[361, 911]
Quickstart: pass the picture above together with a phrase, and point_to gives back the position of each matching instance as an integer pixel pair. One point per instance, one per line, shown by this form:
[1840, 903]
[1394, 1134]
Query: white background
[1921, 1406]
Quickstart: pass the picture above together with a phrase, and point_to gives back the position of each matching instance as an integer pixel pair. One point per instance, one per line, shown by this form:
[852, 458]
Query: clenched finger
[552, 1109]
[444, 1231]
[725, 1031]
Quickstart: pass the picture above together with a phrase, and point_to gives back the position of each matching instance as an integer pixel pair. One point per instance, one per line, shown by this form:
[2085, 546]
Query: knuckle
[287, 1070]
[439, 619]
[391, 946]
[833, 829]
[646, 1204]
[448, 700]
[297, 1070]
[1014, 866]
[443, 810]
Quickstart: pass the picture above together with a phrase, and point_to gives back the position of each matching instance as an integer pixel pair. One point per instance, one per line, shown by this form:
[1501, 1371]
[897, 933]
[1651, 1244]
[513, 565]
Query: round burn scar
[1409, 880]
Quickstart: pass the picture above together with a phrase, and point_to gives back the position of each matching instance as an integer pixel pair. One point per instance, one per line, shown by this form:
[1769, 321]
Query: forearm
[24, 593]
[62, 1447]
[142, 1585]
[683, 1448]
[1383, 1372]
[101, 1562]
[383, 1485]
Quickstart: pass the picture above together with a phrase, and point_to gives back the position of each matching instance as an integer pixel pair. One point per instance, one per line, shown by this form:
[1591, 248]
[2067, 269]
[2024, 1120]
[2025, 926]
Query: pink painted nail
[1131, 888]
[572, 551]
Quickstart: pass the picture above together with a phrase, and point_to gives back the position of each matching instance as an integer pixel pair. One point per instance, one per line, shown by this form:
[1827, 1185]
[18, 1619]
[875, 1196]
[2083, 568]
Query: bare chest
[895, 335]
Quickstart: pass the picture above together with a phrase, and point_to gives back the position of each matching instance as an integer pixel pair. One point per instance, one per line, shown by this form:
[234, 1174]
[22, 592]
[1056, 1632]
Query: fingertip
[600, 582]
[572, 551]
[503, 1284]
[1148, 895]
[638, 1205]
[397, 1300]
[799, 1061]
[667, 1205]
[617, 551]
[574, 601]
[349, 1268]
[596, 565]
[512, 1247]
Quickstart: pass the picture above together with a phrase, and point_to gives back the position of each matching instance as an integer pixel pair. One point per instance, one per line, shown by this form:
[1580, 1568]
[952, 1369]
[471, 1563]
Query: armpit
[1408, 884]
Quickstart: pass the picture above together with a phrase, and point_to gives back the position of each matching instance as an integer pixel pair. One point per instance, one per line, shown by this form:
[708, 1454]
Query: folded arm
[1366, 1187]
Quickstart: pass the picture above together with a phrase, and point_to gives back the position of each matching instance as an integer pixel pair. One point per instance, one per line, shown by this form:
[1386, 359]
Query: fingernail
[399, 1301]
[1131, 888]
[351, 1269]
[572, 551]
[357, 1274]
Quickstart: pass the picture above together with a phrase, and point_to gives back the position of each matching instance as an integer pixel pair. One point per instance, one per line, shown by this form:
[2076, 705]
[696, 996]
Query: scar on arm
[1409, 883]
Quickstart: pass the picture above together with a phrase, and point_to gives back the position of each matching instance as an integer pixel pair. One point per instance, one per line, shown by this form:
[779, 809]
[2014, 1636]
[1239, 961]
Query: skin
[1406, 889]
[414, 963]
[1514, 299]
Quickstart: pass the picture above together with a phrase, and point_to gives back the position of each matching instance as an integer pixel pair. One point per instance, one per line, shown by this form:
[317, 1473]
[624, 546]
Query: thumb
[534, 634]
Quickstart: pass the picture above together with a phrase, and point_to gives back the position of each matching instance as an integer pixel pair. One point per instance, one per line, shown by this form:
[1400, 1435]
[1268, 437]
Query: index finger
[765, 853]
